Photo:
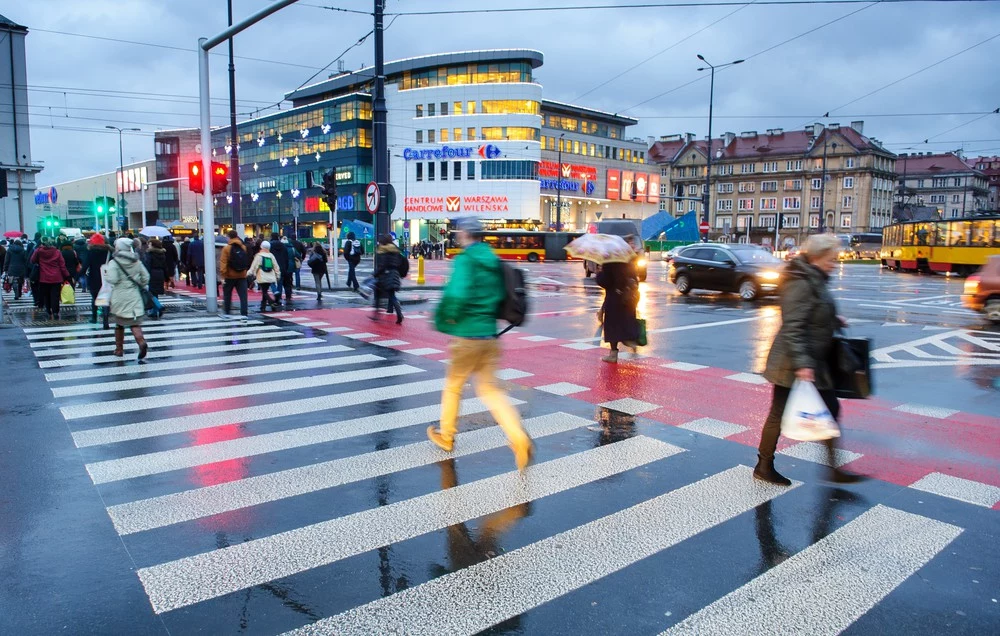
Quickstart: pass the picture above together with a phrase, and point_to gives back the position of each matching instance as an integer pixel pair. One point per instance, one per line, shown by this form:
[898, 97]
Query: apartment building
[775, 180]
[990, 167]
[944, 182]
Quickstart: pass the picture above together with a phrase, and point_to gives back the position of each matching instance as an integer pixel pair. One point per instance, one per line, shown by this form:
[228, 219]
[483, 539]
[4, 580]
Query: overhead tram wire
[167, 46]
[118, 94]
[857, 116]
[972, 121]
[672, 46]
[869, 5]
[906, 77]
[654, 5]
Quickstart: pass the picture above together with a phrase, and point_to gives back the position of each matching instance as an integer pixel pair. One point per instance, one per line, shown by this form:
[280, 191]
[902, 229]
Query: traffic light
[220, 177]
[196, 177]
[105, 204]
[330, 189]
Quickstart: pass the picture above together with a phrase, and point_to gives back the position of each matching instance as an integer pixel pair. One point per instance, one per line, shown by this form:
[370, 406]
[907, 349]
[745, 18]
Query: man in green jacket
[468, 312]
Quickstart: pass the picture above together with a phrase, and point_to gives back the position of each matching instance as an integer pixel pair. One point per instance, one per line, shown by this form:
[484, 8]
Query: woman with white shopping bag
[801, 358]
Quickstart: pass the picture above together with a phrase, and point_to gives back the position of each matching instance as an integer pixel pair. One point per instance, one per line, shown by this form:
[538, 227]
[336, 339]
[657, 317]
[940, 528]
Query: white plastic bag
[103, 298]
[806, 418]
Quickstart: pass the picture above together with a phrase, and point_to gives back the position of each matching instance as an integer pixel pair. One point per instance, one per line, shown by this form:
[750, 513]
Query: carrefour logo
[486, 151]
[51, 196]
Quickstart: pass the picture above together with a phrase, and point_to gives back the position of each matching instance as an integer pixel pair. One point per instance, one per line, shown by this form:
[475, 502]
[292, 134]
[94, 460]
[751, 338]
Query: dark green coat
[472, 297]
[808, 322]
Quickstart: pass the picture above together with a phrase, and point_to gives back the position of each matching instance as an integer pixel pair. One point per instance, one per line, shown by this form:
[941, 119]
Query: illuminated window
[457, 134]
[456, 108]
[511, 107]
[420, 110]
[444, 135]
[470, 108]
[470, 134]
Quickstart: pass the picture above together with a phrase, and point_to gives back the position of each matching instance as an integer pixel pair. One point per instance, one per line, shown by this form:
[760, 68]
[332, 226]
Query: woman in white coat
[127, 275]
[266, 270]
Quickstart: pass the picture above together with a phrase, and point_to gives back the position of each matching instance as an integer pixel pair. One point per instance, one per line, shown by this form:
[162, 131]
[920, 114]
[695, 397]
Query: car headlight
[768, 275]
[641, 262]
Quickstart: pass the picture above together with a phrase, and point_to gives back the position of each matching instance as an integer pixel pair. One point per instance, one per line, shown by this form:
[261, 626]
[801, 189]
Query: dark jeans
[197, 275]
[17, 285]
[286, 284]
[240, 285]
[49, 293]
[772, 425]
[265, 296]
[352, 275]
[391, 302]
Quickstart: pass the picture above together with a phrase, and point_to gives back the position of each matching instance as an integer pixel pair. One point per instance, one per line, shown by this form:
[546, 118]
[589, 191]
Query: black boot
[837, 475]
[764, 471]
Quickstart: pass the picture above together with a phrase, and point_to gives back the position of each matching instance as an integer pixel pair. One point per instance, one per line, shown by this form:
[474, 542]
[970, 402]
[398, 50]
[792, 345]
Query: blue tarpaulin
[663, 227]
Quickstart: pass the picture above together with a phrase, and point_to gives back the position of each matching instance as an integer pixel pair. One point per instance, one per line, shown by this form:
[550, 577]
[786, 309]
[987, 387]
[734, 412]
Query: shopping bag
[67, 296]
[852, 375]
[806, 418]
[7, 285]
[641, 340]
[103, 298]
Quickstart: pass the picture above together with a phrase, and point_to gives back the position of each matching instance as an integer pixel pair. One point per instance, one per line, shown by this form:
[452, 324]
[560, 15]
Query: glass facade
[503, 72]
[508, 169]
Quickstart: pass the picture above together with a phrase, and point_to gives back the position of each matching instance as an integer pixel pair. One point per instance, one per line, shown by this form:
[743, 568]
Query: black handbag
[35, 274]
[148, 302]
[852, 375]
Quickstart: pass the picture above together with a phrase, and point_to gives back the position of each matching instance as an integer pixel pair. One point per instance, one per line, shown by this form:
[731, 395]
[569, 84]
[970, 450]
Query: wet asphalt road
[281, 480]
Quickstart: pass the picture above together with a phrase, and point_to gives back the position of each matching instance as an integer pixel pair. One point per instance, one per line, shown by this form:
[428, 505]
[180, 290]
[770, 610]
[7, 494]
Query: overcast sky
[588, 55]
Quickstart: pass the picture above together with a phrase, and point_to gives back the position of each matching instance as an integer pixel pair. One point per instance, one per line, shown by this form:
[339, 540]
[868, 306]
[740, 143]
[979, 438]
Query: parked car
[628, 230]
[744, 269]
[982, 290]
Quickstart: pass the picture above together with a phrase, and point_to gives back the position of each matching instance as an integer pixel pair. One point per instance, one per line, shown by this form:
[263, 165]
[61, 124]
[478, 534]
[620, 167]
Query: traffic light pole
[380, 136]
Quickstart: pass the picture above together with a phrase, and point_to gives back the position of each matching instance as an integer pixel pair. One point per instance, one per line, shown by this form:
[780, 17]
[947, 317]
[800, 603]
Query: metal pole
[144, 223]
[210, 43]
[234, 154]
[106, 229]
[121, 177]
[205, 108]
[333, 231]
[708, 168]
[559, 183]
[380, 137]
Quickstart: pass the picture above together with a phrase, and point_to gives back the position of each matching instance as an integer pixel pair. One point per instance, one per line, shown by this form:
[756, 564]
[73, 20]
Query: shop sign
[486, 151]
[641, 183]
[628, 181]
[344, 176]
[614, 184]
[316, 204]
[653, 190]
[189, 219]
[477, 203]
[567, 185]
[553, 170]
[49, 196]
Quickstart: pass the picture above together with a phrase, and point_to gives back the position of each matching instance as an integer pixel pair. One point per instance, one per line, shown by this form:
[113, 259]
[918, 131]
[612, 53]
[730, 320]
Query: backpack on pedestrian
[514, 307]
[239, 260]
[266, 263]
[404, 267]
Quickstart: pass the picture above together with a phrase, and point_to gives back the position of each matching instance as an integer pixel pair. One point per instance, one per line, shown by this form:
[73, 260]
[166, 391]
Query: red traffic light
[220, 177]
[196, 179]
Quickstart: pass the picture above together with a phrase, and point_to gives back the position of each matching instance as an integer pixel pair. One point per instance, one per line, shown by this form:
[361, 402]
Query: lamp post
[706, 198]
[559, 185]
[121, 163]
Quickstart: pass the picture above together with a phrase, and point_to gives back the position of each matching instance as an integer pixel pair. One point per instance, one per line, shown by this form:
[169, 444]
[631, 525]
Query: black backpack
[404, 266]
[514, 307]
[239, 260]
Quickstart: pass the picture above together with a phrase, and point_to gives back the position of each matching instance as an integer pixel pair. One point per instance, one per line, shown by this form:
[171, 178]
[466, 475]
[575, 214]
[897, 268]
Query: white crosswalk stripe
[302, 421]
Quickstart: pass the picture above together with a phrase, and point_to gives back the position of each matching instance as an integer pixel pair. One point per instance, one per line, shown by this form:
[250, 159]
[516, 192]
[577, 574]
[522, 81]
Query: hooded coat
[69, 256]
[157, 259]
[808, 323]
[16, 262]
[80, 247]
[389, 263]
[471, 299]
[173, 257]
[52, 267]
[126, 301]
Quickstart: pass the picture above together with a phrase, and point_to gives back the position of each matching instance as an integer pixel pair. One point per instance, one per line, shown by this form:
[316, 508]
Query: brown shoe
[433, 434]
[141, 341]
[523, 456]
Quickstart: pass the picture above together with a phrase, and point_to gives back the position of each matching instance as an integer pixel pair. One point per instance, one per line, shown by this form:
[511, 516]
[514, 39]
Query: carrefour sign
[486, 151]
[49, 196]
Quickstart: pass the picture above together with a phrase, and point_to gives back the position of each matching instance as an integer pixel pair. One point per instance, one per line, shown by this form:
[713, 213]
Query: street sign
[703, 227]
[598, 215]
[372, 197]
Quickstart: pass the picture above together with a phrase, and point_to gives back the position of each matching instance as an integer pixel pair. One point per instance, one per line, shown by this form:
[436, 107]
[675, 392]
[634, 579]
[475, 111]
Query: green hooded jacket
[472, 297]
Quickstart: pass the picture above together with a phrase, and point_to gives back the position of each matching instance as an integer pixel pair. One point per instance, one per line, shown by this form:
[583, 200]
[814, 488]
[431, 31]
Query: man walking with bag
[352, 254]
[233, 265]
[468, 312]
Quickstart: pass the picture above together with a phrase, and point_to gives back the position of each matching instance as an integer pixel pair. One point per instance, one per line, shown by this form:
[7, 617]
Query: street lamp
[559, 186]
[708, 168]
[121, 162]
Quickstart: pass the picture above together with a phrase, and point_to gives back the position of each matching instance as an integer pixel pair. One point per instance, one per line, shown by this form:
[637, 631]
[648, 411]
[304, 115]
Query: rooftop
[774, 142]
[931, 164]
[354, 79]
[9, 25]
[590, 113]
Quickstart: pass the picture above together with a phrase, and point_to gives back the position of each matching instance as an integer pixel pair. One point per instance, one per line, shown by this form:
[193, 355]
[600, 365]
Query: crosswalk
[82, 302]
[270, 474]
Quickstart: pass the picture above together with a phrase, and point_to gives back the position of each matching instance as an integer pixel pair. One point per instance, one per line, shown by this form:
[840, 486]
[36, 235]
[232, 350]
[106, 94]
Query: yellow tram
[961, 246]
